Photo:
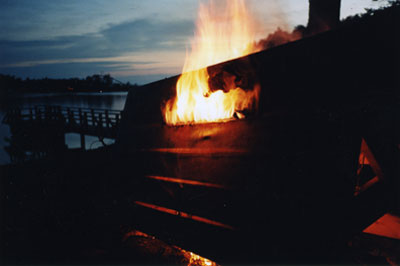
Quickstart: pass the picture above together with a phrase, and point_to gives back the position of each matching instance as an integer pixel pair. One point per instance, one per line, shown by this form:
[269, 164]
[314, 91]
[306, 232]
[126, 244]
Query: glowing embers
[196, 260]
[224, 31]
[149, 247]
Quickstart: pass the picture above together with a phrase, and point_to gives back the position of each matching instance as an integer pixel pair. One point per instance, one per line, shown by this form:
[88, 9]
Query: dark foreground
[71, 210]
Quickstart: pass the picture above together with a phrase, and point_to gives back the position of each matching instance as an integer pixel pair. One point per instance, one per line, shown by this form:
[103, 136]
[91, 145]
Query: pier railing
[87, 121]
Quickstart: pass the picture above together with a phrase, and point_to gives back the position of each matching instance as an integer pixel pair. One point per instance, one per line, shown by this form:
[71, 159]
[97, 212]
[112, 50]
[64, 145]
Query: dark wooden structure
[280, 184]
[41, 129]
[323, 15]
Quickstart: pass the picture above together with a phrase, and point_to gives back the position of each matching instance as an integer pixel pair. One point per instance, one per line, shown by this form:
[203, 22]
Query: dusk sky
[133, 40]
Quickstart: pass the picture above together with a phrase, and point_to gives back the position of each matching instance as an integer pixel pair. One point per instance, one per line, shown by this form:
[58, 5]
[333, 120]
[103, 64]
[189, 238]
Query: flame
[220, 35]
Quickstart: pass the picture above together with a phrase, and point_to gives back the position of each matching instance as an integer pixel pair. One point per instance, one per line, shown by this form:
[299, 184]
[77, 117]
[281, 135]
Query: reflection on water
[73, 141]
[106, 100]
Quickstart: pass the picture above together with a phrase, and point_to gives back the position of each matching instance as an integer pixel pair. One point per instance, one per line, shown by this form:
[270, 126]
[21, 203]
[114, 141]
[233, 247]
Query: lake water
[105, 100]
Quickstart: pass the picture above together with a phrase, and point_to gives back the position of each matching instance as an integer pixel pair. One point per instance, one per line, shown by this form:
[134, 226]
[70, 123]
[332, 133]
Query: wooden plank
[388, 226]
[185, 181]
[198, 151]
[183, 215]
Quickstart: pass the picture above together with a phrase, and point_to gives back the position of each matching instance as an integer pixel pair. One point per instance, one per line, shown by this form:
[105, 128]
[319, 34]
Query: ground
[61, 210]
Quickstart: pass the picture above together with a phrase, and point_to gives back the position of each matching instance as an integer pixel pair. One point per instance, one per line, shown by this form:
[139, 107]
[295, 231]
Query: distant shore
[11, 85]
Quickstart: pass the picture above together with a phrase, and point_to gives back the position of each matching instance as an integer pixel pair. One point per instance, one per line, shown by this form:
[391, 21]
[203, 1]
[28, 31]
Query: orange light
[196, 260]
[388, 226]
[183, 215]
[221, 34]
[184, 181]
[191, 259]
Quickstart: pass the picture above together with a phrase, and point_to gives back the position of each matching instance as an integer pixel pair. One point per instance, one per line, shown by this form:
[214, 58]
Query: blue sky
[134, 40]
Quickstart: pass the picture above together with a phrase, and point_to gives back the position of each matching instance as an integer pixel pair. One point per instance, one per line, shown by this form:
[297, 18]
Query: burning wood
[223, 34]
[230, 77]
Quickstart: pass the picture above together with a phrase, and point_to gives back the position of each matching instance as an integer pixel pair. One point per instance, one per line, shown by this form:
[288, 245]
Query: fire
[221, 34]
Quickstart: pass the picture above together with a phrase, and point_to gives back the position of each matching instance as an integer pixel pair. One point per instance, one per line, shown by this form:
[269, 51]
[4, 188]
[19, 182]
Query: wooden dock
[41, 129]
[93, 122]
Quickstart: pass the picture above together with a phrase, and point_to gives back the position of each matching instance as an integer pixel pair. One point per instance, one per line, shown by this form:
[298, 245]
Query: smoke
[273, 24]
[279, 37]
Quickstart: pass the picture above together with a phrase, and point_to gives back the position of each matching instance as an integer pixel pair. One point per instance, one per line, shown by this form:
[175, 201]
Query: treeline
[391, 9]
[95, 83]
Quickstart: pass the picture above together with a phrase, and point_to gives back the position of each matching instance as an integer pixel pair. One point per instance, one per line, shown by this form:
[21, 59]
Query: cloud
[145, 34]
[127, 46]
[134, 36]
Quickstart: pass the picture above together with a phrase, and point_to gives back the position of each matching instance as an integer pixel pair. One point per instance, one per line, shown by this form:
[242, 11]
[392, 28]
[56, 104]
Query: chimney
[323, 15]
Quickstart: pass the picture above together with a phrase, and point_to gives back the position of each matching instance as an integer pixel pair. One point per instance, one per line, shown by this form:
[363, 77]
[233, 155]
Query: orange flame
[220, 35]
